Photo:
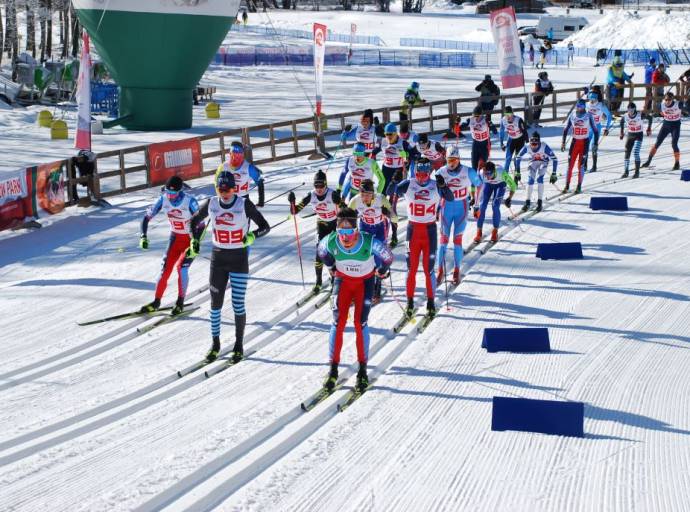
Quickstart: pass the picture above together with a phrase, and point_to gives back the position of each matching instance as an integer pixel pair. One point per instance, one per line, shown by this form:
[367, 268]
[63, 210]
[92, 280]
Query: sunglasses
[225, 188]
[346, 231]
[172, 192]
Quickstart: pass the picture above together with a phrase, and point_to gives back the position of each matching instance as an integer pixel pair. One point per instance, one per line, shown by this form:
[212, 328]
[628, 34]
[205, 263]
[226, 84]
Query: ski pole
[445, 280]
[283, 193]
[395, 297]
[299, 246]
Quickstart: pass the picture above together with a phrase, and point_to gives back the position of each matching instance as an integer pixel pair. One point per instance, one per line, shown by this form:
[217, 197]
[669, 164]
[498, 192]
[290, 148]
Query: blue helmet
[359, 149]
[423, 167]
[414, 85]
[581, 105]
[390, 128]
[593, 96]
[225, 181]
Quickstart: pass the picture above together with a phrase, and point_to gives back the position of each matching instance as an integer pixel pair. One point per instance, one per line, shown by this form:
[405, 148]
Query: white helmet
[453, 151]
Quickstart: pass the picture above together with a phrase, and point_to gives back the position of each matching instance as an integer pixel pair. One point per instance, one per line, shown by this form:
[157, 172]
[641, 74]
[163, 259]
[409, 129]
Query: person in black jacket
[85, 163]
[542, 88]
[488, 96]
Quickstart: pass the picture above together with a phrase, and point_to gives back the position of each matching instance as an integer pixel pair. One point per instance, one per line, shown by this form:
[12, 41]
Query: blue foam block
[543, 416]
[563, 251]
[608, 203]
[685, 175]
[529, 339]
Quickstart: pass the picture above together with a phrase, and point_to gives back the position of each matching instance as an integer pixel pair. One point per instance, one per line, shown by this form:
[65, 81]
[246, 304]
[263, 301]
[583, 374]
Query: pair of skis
[134, 314]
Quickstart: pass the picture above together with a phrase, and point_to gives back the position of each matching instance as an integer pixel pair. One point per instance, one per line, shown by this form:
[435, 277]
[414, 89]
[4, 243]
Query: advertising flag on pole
[504, 30]
[319, 57]
[353, 31]
[83, 138]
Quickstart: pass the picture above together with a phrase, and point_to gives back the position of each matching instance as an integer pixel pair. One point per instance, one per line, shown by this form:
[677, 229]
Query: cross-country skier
[179, 207]
[325, 202]
[458, 179]
[671, 112]
[242, 171]
[365, 132]
[481, 144]
[432, 150]
[598, 110]
[397, 154]
[375, 213]
[423, 197]
[359, 167]
[539, 153]
[582, 124]
[493, 190]
[515, 127]
[229, 214]
[353, 258]
[632, 122]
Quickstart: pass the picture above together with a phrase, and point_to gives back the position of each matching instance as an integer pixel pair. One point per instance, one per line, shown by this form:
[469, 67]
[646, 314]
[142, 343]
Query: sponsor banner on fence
[49, 189]
[15, 198]
[504, 30]
[179, 157]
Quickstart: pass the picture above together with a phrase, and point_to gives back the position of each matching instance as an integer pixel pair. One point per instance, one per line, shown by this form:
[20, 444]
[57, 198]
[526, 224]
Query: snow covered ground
[94, 418]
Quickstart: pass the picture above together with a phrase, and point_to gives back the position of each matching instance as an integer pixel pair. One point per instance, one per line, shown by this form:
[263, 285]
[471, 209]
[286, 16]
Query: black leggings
[672, 128]
[233, 265]
[323, 229]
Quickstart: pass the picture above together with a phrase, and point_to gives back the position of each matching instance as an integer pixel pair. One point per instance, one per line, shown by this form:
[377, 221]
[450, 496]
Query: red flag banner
[504, 30]
[179, 157]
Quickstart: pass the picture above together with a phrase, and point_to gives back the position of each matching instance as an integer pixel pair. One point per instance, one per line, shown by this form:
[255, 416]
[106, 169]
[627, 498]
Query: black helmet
[535, 138]
[543, 75]
[423, 138]
[320, 178]
[174, 183]
[225, 181]
[508, 110]
[477, 111]
[632, 106]
[367, 186]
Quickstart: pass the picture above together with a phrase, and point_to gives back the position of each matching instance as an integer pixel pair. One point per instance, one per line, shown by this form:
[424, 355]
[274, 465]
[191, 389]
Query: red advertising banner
[15, 198]
[179, 157]
[504, 30]
[50, 188]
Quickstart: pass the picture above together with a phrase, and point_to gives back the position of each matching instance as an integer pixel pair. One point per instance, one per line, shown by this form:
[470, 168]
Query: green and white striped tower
[156, 50]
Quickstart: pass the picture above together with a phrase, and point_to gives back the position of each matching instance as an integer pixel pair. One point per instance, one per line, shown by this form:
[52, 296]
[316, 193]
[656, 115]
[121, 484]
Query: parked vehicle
[562, 26]
[526, 31]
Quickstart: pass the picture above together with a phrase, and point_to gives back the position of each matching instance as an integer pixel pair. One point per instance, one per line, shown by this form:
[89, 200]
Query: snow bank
[625, 30]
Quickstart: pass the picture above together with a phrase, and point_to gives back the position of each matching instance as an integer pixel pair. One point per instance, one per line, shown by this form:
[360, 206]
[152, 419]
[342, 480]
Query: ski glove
[193, 250]
[440, 181]
[348, 127]
[248, 239]
[508, 202]
[621, 136]
[553, 178]
[291, 197]
[649, 132]
[563, 147]
[606, 131]
[517, 177]
[143, 242]
[503, 147]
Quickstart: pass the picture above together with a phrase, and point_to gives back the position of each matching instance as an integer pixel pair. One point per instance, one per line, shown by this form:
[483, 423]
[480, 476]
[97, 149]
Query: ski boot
[593, 169]
[409, 310]
[578, 189]
[440, 275]
[566, 189]
[526, 206]
[332, 379]
[237, 350]
[362, 378]
[478, 236]
[317, 287]
[151, 306]
[625, 174]
[212, 354]
[539, 206]
[456, 276]
[237, 355]
[394, 242]
[637, 174]
[676, 166]
[494, 235]
[430, 308]
[647, 163]
[179, 307]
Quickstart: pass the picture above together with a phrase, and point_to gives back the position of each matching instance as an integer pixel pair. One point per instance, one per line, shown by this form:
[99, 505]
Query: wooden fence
[125, 170]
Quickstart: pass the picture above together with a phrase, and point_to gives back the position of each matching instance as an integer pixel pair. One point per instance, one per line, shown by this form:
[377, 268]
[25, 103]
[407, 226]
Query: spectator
[549, 34]
[684, 80]
[648, 72]
[542, 88]
[522, 50]
[601, 55]
[488, 96]
[85, 162]
[571, 53]
[542, 56]
[245, 18]
[615, 81]
[531, 55]
[410, 99]
[659, 80]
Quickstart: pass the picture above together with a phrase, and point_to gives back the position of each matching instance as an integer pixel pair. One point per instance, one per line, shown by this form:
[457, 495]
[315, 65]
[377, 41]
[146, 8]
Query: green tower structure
[156, 50]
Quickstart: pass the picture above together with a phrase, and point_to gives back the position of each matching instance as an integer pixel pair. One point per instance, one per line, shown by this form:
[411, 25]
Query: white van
[562, 26]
